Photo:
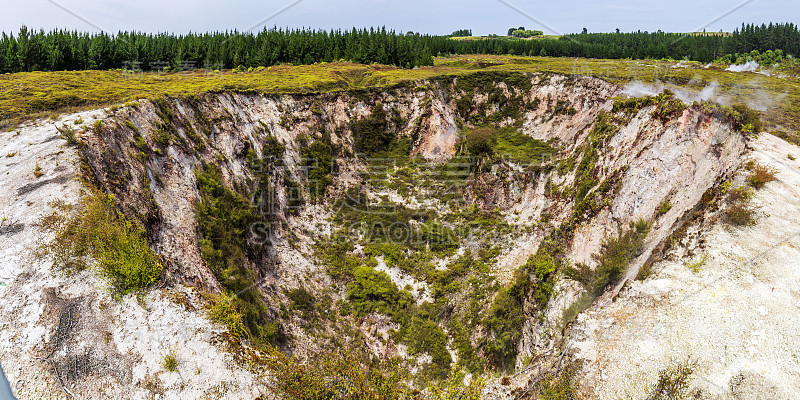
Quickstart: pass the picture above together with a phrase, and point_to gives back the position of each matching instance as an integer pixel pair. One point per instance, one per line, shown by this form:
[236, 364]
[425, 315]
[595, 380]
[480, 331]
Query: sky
[429, 16]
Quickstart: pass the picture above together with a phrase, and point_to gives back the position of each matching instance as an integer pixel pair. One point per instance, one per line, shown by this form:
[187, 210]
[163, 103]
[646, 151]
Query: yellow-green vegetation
[698, 263]
[222, 310]
[663, 208]
[742, 117]
[667, 106]
[504, 322]
[30, 94]
[618, 251]
[170, 361]
[96, 229]
[374, 291]
[370, 291]
[318, 159]
[411, 239]
[342, 374]
[586, 176]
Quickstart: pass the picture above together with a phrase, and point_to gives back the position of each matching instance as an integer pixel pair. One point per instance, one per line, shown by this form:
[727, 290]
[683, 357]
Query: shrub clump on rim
[759, 175]
[95, 229]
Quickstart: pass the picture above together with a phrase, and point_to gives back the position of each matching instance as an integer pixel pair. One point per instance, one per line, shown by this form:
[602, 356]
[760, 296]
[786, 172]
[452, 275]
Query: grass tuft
[170, 362]
[37, 171]
[697, 264]
[68, 133]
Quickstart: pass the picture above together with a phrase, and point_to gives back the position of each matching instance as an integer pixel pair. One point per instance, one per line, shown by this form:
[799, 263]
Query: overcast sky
[429, 16]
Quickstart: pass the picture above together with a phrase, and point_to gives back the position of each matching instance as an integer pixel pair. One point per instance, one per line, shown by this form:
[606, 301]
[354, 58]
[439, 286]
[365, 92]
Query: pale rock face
[736, 317]
[440, 143]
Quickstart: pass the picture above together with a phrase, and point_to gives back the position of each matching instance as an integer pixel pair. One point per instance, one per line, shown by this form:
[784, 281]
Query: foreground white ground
[738, 317]
[118, 342]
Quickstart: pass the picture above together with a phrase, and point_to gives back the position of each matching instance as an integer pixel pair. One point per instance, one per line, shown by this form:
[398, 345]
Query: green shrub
[344, 374]
[127, 261]
[224, 221]
[740, 116]
[68, 133]
[273, 149]
[425, 336]
[371, 135]
[373, 291]
[516, 146]
[37, 171]
[585, 175]
[543, 266]
[98, 230]
[741, 194]
[668, 106]
[739, 211]
[131, 126]
[334, 254]
[563, 107]
[504, 321]
[740, 214]
[617, 252]
[301, 299]
[632, 105]
[441, 239]
[318, 159]
[746, 119]
[481, 141]
[223, 311]
[454, 389]
[698, 263]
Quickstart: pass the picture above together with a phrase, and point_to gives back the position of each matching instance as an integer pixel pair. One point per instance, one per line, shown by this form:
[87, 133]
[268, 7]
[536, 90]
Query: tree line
[31, 50]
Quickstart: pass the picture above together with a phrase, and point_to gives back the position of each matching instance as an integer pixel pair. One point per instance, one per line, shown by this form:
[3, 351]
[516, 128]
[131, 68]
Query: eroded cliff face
[603, 170]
